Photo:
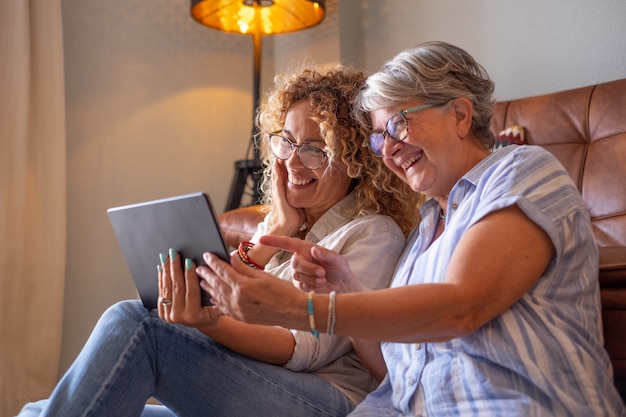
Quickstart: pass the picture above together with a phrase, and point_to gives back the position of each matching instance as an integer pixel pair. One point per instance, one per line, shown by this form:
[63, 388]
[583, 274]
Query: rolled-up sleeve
[311, 354]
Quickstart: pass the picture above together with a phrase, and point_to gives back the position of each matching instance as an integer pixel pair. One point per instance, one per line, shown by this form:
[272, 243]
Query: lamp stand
[248, 172]
[257, 18]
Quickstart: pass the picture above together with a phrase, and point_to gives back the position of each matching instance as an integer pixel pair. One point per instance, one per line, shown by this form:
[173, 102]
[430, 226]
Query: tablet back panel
[184, 223]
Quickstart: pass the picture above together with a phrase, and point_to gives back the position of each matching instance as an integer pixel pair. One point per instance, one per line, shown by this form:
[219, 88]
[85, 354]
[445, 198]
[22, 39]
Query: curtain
[32, 199]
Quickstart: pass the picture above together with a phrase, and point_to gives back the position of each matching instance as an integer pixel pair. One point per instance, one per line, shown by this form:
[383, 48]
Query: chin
[296, 202]
[416, 186]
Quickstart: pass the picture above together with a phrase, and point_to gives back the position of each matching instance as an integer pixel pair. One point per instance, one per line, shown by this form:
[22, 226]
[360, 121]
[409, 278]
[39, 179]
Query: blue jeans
[133, 355]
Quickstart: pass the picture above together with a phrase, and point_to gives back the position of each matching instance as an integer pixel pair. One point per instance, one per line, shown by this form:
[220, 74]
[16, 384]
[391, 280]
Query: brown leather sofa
[585, 128]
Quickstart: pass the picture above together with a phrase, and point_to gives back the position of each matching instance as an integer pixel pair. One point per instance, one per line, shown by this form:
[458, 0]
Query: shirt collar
[472, 176]
[332, 219]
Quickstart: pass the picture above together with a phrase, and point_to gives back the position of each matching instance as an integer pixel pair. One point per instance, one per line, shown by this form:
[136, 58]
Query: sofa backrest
[585, 128]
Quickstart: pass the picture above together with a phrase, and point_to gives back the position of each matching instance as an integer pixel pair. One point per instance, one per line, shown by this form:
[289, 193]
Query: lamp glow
[258, 16]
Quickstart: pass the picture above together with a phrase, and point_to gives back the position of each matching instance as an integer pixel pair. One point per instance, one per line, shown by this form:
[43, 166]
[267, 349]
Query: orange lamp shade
[261, 17]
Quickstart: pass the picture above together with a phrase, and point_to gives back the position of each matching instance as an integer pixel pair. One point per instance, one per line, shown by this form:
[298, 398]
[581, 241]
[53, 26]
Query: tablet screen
[185, 223]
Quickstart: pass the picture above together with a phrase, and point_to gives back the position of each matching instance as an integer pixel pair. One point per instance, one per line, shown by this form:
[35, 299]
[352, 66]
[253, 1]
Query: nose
[390, 146]
[294, 159]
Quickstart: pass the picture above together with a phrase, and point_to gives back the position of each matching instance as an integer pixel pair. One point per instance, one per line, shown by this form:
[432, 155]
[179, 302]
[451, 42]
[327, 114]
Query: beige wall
[528, 47]
[158, 105]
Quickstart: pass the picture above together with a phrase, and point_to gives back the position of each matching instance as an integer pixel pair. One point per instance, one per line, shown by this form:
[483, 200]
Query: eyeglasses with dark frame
[396, 128]
[310, 156]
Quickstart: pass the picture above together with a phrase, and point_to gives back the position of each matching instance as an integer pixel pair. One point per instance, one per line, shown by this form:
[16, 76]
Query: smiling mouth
[300, 181]
[406, 164]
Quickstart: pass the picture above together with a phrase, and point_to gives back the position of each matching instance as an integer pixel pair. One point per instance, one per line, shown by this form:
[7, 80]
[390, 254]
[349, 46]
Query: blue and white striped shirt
[544, 356]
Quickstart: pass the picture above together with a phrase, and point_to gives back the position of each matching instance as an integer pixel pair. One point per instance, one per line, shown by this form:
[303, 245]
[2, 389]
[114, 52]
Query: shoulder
[527, 157]
[371, 231]
[375, 223]
[521, 169]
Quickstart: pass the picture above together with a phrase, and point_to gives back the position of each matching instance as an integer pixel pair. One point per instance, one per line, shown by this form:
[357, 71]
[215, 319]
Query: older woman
[495, 307]
[322, 186]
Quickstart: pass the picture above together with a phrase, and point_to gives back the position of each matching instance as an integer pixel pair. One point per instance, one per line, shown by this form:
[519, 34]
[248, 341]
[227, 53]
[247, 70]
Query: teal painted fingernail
[172, 254]
[188, 263]
[163, 258]
[159, 269]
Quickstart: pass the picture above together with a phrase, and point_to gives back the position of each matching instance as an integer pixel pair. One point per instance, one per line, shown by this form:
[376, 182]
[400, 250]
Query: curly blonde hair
[330, 92]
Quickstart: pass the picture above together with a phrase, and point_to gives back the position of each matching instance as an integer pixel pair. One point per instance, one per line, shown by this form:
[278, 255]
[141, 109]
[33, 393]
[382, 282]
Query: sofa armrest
[240, 224]
[612, 276]
[612, 266]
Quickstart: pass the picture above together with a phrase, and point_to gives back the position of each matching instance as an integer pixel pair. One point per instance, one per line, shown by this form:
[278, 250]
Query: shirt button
[418, 346]
[412, 381]
[455, 206]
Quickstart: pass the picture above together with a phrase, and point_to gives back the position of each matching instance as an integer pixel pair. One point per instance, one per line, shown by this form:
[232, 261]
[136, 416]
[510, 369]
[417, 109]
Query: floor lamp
[256, 18]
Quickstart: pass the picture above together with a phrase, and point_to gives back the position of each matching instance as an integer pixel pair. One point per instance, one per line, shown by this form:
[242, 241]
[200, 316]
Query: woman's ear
[463, 111]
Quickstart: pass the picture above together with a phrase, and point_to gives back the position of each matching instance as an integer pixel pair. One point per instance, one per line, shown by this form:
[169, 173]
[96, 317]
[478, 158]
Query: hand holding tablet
[184, 223]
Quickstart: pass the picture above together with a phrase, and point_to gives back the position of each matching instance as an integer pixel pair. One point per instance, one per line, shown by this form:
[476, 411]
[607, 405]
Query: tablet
[185, 223]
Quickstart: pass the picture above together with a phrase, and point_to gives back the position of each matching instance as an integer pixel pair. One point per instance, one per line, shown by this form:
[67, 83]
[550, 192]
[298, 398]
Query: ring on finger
[165, 301]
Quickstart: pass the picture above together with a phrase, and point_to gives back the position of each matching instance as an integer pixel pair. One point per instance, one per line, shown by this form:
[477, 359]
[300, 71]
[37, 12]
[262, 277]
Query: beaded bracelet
[331, 313]
[242, 252]
[312, 315]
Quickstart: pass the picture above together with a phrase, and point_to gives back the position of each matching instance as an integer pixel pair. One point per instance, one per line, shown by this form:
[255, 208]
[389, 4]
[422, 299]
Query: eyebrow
[306, 141]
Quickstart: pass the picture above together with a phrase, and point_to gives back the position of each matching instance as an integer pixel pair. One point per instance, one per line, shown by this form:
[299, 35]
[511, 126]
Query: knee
[33, 409]
[128, 312]
[128, 308]
[156, 411]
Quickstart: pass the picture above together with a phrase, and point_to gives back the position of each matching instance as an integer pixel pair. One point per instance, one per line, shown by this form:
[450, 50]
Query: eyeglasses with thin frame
[396, 128]
[310, 156]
